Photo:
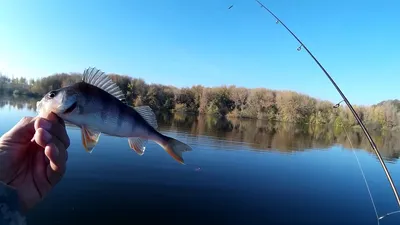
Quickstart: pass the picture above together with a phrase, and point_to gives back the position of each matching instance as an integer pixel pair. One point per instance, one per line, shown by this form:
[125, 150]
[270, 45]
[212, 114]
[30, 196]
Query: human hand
[33, 157]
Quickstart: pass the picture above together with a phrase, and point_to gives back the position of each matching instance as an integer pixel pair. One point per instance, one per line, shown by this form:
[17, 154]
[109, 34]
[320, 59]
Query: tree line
[230, 101]
[261, 135]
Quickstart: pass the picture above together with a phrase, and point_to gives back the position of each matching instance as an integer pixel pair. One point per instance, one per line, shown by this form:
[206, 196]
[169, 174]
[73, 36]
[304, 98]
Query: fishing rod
[371, 141]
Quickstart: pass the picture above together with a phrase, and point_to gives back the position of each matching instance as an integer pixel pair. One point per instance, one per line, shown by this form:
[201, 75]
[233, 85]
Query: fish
[97, 106]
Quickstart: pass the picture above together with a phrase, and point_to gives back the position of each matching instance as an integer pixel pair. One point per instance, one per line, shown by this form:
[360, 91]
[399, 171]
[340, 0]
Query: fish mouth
[71, 108]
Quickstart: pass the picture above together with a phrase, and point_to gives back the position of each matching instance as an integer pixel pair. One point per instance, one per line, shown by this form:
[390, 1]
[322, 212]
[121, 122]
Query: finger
[43, 138]
[54, 155]
[41, 179]
[57, 167]
[53, 117]
[57, 155]
[24, 130]
[56, 158]
[54, 128]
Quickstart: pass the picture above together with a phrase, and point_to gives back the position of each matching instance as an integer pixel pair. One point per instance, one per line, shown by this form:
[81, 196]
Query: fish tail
[174, 147]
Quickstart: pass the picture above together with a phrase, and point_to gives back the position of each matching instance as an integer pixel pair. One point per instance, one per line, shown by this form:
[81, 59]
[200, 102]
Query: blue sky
[183, 43]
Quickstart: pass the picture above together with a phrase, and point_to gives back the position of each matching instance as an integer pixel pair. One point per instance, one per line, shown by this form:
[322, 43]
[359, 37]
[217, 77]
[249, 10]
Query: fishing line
[359, 121]
[388, 214]
[363, 175]
[378, 218]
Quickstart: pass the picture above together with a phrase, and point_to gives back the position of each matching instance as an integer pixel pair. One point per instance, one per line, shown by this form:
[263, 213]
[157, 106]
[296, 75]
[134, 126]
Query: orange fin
[175, 148]
[89, 138]
[137, 144]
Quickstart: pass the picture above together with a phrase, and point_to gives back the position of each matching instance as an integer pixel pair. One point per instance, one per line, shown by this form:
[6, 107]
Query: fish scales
[96, 105]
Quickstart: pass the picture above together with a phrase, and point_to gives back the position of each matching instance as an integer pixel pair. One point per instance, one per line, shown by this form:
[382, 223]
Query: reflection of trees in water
[20, 102]
[388, 143]
[261, 135]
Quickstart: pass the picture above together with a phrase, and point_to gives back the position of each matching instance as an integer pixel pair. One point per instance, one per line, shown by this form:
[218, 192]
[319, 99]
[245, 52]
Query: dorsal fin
[147, 113]
[99, 79]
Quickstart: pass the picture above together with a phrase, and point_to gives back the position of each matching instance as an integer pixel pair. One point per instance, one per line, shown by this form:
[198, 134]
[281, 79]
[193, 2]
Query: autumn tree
[232, 101]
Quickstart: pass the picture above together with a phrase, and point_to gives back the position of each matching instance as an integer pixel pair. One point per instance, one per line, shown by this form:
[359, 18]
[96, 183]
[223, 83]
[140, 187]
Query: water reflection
[18, 102]
[263, 135]
[235, 182]
[260, 135]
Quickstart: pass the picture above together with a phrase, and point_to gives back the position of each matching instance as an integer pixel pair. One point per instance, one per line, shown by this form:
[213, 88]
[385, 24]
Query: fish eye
[52, 94]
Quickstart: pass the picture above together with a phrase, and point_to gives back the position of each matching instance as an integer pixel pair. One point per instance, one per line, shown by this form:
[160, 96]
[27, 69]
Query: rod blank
[359, 121]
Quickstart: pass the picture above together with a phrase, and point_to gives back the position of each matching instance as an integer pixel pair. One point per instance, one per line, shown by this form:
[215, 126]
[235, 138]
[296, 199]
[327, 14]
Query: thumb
[52, 117]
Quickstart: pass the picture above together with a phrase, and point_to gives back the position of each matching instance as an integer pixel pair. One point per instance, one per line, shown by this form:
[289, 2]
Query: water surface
[239, 172]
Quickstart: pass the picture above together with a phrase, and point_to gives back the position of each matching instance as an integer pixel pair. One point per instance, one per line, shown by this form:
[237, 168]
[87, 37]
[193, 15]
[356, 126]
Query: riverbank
[227, 101]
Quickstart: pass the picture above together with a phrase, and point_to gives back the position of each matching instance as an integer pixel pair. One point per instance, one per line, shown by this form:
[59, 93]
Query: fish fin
[99, 79]
[137, 144]
[147, 113]
[174, 148]
[90, 138]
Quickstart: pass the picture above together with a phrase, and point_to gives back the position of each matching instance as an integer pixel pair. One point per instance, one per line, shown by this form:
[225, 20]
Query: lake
[239, 172]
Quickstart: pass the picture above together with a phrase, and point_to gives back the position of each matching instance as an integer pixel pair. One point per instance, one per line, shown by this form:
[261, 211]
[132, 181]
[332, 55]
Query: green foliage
[232, 101]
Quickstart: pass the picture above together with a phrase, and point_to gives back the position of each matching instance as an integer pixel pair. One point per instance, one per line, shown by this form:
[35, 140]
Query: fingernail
[45, 124]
